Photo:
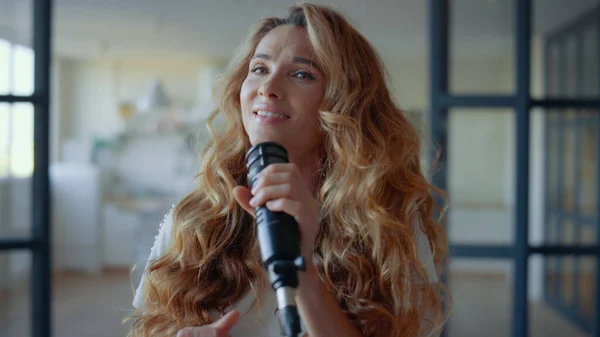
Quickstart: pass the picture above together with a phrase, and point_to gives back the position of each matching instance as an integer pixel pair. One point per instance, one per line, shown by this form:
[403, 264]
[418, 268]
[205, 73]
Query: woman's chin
[269, 138]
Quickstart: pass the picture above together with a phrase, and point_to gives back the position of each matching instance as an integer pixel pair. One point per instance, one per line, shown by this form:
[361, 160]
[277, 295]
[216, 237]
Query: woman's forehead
[287, 39]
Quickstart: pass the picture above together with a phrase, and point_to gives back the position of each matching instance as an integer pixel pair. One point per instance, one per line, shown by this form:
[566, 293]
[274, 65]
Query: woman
[354, 184]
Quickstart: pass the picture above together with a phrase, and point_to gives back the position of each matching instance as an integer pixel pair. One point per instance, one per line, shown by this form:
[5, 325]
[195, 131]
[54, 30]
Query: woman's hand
[281, 188]
[219, 328]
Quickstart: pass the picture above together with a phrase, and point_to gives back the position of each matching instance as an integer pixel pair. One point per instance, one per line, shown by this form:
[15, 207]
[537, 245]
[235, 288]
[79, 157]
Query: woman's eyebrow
[295, 59]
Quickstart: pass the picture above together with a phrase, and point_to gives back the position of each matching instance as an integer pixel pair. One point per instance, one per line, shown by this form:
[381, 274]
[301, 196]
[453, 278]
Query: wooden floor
[84, 306]
[93, 306]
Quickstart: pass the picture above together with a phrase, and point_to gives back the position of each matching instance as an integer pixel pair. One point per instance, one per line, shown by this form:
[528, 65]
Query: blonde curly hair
[366, 256]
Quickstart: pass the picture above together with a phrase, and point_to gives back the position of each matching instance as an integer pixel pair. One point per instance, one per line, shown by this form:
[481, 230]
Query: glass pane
[553, 163]
[480, 178]
[569, 287]
[554, 71]
[552, 228]
[481, 48]
[21, 147]
[566, 280]
[555, 30]
[570, 173]
[591, 61]
[568, 163]
[15, 208]
[5, 52]
[587, 270]
[22, 70]
[16, 27]
[587, 232]
[476, 308]
[4, 138]
[550, 276]
[549, 316]
[572, 76]
[569, 229]
[589, 179]
[15, 313]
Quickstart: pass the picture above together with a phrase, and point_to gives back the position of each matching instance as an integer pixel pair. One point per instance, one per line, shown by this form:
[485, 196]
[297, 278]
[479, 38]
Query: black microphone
[279, 240]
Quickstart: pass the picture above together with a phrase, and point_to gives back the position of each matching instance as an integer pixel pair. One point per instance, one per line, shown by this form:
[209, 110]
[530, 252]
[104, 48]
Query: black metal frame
[39, 243]
[441, 100]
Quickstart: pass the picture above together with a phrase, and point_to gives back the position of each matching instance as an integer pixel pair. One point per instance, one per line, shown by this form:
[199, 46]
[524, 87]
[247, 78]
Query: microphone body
[279, 240]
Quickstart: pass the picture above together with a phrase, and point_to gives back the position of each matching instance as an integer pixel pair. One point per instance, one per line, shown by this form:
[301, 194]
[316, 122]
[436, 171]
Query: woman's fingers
[270, 179]
[286, 205]
[270, 193]
[219, 328]
[228, 321]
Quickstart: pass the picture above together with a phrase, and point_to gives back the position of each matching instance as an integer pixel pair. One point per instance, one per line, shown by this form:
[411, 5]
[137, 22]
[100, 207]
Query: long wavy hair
[371, 189]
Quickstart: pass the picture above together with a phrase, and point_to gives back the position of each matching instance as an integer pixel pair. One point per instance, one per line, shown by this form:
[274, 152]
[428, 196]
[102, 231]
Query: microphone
[279, 240]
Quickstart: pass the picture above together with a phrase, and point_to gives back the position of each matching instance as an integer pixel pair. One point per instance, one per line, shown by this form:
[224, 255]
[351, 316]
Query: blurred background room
[131, 87]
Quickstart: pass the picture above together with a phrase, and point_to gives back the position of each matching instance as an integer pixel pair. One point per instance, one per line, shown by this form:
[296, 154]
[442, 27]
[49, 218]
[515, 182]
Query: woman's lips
[267, 117]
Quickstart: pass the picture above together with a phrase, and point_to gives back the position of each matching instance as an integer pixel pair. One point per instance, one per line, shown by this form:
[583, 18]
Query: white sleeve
[424, 253]
[161, 243]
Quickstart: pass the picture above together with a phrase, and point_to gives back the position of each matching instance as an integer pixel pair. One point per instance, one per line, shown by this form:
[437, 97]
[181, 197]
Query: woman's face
[282, 93]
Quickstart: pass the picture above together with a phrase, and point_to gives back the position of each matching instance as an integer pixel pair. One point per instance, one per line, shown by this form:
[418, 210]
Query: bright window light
[16, 120]
[22, 71]
[4, 139]
[21, 149]
[4, 67]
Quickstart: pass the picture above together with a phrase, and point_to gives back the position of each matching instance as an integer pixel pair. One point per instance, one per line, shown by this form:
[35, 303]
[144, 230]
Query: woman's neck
[308, 164]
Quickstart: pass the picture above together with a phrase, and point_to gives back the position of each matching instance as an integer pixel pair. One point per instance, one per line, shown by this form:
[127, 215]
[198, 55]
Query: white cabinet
[76, 200]
[119, 239]
[129, 230]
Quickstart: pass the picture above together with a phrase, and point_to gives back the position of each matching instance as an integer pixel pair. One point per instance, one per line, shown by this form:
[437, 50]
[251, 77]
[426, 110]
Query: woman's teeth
[271, 114]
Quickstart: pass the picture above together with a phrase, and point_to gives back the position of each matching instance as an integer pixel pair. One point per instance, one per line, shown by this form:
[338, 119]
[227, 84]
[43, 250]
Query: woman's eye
[259, 70]
[304, 75]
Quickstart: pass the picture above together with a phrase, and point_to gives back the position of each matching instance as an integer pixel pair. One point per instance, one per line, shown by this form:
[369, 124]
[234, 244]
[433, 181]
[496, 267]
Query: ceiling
[202, 28]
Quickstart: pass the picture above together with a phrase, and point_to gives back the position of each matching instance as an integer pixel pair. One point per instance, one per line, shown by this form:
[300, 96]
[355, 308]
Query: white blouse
[261, 322]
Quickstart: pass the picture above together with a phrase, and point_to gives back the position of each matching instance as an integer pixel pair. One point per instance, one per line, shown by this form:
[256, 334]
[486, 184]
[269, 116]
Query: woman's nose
[272, 88]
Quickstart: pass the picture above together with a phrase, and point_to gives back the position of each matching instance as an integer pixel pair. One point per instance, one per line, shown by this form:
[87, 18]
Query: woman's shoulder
[164, 234]
[162, 240]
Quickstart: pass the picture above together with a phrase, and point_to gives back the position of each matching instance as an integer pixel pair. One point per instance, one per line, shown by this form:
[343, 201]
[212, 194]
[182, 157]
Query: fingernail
[252, 202]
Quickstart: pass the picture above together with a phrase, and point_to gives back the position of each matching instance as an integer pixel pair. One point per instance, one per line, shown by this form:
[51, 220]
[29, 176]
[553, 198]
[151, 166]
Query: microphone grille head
[262, 155]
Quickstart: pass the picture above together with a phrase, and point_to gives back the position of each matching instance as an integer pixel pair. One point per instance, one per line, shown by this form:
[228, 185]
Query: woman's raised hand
[219, 328]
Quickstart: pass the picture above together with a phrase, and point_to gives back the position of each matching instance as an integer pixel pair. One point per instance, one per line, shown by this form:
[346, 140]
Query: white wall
[180, 76]
[97, 87]
[94, 112]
